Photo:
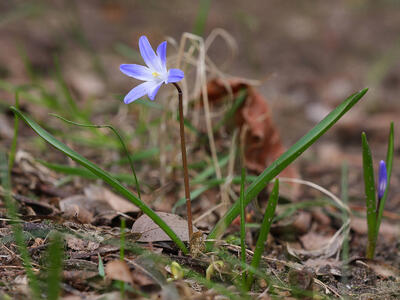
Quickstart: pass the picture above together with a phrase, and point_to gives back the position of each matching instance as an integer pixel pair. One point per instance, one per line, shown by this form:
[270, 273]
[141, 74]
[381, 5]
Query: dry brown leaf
[78, 207]
[325, 266]
[80, 244]
[295, 225]
[151, 232]
[330, 247]
[119, 270]
[313, 240]
[382, 269]
[390, 232]
[263, 142]
[117, 203]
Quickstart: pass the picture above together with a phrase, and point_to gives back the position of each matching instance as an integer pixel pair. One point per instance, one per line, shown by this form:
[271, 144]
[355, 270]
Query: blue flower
[154, 74]
[382, 179]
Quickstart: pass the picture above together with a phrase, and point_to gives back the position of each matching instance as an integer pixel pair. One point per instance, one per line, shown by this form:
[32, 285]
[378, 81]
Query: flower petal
[136, 71]
[175, 75]
[162, 54]
[382, 179]
[152, 94]
[149, 57]
[140, 91]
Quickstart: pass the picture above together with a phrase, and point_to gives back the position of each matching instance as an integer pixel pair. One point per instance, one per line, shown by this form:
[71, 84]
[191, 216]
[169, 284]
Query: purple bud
[382, 179]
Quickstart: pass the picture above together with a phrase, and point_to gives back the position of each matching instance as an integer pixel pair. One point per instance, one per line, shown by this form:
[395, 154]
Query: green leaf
[265, 227]
[284, 160]
[242, 219]
[102, 272]
[13, 148]
[55, 259]
[18, 233]
[105, 176]
[201, 18]
[369, 185]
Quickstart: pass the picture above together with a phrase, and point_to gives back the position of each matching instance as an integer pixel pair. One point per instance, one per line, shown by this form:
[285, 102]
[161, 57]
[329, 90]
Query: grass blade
[201, 19]
[243, 222]
[284, 160]
[13, 148]
[122, 255]
[105, 176]
[344, 187]
[55, 258]
[265, 227]
[369, 184]
[16, 226]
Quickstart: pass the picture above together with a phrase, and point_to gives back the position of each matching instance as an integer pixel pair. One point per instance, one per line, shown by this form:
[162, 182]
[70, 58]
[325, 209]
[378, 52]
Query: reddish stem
[184, 162]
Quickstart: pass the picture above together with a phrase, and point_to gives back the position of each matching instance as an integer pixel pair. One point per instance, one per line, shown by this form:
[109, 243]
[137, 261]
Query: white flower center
[155, 74]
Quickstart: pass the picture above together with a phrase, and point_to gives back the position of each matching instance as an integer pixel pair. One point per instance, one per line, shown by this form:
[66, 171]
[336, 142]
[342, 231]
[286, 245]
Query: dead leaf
[290, 228]
[78, 207]
[263, 142]
[387, 230]
[330, 247]
[116, 202]
[382, 269]
[313, 240]
[302, 279]
[119, 270]
[80, 244]
[151, 232]
[324, 266]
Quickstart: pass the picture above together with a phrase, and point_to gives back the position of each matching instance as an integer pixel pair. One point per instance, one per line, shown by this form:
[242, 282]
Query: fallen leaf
[387, 230]
[116, 202]
[78, 207]
[80, 244]
[325, 266]
[290, 228]
[301, 279]
[151, 232]
[119, 270]
[382, 269]
[313, 240]
[327, 248]
[263, 142]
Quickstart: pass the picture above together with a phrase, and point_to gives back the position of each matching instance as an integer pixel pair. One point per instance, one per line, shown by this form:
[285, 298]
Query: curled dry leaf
[288, 229]
[151, 232]
[81, 245]
[119, 270]
[115, 202]
[98, 203]
[390, 232]
[382, 269]
[263, 142]
[325, 266]
[78, 207]
[330, 246]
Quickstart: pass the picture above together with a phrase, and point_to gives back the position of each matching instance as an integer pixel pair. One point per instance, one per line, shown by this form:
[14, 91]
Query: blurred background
[307, 55]
[304, 52]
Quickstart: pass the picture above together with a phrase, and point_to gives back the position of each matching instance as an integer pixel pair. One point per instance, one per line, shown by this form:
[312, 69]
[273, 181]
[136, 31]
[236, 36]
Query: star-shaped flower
[154, 74]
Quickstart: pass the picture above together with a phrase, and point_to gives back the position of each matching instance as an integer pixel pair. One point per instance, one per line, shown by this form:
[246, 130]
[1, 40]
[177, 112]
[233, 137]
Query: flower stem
[184, 162]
